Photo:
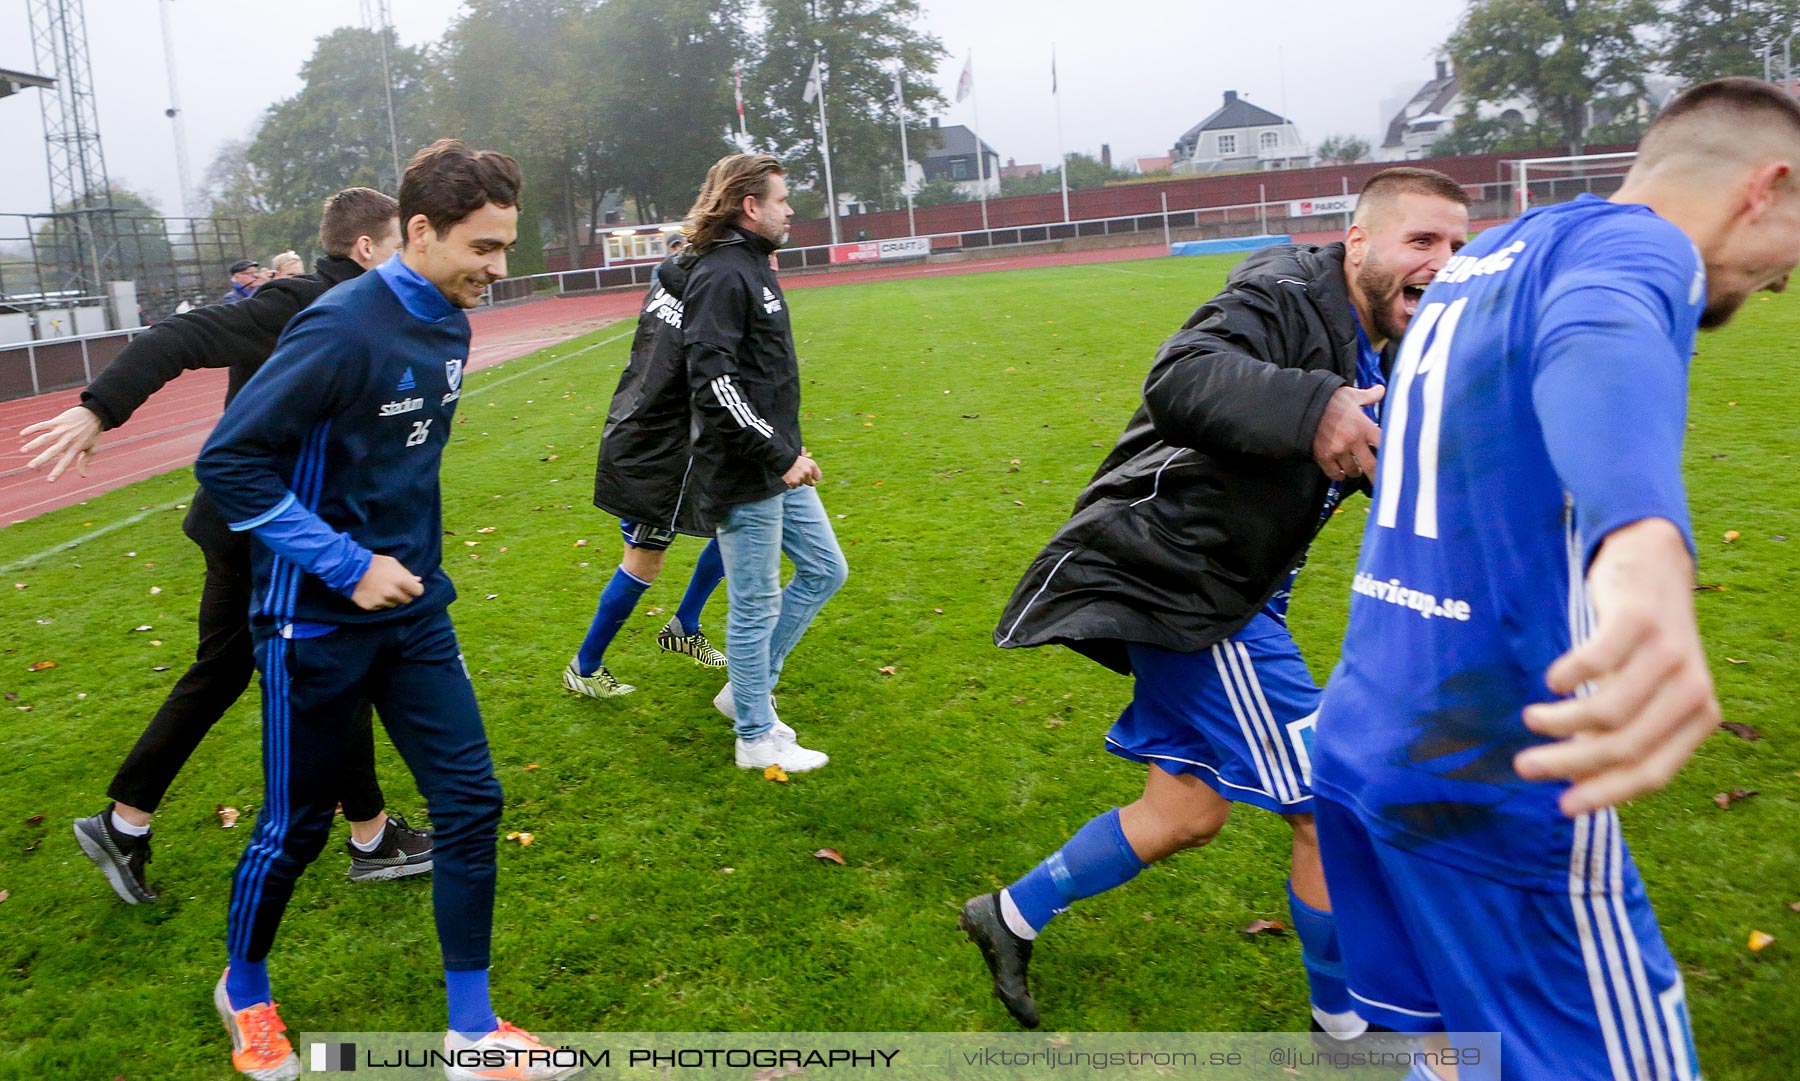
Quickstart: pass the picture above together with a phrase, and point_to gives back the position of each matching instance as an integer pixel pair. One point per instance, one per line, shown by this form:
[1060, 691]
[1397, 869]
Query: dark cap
[244, 264]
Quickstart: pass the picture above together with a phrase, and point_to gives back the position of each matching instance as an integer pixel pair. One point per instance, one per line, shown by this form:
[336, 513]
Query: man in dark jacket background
[1177, 564]
[751, 466]
[642, 476]
[358, 230]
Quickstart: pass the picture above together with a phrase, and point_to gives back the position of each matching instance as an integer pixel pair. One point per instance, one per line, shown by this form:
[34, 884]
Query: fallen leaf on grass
[1735, 660]
[491, 596]
[1054, 724]
[581, 544]
[486, 529]
[23, 709]
[833, 855]
[154, 590]
[1262, 927]
[39, 666]
[524, 839]
[550, 458]
[1709, 589]
[532, 766]
[156, 641]
[776, 774]
[1795, 905]
[728, 870]
[34, 820]
[1731, 535]
[141, 627]
[18, 585]
[1760, 941]
[1742, 731]
[228, 816]
[1726, 799]
[886, 669]
[160, 668]
[939, 611]
[11, 697]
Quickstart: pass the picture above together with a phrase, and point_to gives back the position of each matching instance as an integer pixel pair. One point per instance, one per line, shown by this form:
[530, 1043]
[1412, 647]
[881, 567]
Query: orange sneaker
[508, 1053]
[258, 1048]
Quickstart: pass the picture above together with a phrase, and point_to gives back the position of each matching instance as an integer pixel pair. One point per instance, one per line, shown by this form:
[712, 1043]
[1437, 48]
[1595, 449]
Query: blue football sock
[1320, 953]
[471, 1012]
[616, 602]
[247, 983]
[1095, 860]
[708, 573]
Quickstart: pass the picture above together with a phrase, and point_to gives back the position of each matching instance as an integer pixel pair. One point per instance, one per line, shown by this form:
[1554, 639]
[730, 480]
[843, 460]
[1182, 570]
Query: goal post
[1546, 181]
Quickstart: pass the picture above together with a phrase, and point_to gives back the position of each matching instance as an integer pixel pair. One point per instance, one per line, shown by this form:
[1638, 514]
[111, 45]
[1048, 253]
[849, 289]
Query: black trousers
[224, 661]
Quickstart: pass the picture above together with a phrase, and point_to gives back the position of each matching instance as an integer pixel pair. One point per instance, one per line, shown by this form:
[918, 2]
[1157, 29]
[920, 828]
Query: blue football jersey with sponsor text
[1538, 402]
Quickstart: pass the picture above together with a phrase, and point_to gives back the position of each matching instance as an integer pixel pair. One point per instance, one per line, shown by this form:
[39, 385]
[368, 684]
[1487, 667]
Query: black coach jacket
[645, 449]
[1211, 496]
[742, 373]
[238, 336]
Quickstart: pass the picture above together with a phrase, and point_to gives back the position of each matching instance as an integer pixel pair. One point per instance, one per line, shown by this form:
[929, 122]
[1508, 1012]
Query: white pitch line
[558, 360]
[85, 537]
[141, 515]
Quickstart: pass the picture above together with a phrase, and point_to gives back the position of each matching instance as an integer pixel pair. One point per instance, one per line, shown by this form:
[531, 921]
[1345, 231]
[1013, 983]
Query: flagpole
[737, 81]
[980, 146]
[905, 158]
[1062, 157]
[825, 146]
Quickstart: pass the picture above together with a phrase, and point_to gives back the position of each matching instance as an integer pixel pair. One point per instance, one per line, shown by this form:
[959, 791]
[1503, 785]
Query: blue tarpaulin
[1236, 243]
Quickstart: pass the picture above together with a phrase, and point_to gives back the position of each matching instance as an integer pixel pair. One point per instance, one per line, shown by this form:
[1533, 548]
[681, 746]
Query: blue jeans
[766, 621]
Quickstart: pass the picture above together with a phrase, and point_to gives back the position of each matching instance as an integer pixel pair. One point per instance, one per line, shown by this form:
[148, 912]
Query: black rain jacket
[237, 336]
[1211, 496]
[645, 449]
[742, 372]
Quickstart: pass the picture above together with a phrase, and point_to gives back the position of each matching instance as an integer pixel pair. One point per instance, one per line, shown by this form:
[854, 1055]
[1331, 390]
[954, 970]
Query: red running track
[169, 430]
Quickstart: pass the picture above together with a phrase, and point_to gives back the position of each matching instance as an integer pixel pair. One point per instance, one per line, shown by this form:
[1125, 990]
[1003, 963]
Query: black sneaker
[403, 851]
[120, 856]
[1007, 955]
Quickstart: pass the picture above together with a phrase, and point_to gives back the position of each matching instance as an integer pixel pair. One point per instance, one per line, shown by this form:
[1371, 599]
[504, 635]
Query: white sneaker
[723, 703]
[508, 1052]
[776, 748]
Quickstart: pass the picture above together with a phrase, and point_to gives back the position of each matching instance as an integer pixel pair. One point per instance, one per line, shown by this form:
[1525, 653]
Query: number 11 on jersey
[1425, 353]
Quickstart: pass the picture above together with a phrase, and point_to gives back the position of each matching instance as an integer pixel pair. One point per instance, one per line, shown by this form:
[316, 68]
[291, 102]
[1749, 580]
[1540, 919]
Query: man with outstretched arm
[1523, 612]
[331, 458]
[357, 230]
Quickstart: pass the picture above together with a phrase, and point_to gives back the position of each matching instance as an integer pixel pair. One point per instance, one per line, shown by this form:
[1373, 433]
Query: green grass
[949, 777]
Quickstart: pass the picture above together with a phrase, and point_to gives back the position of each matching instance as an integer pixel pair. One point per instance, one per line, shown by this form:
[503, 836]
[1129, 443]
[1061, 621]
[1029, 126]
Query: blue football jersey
[1537, 403]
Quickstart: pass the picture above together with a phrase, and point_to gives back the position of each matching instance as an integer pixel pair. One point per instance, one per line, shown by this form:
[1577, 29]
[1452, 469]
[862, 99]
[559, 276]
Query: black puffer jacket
[1211, 496]
[238, 336]
[742, 372]
[645, 448]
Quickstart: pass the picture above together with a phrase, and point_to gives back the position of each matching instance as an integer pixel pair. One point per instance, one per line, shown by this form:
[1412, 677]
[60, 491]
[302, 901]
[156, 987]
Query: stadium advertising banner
[912, 247]
[1324, 204]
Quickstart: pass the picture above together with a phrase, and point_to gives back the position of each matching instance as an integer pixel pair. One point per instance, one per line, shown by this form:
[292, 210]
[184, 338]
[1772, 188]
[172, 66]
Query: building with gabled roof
[1239, 136]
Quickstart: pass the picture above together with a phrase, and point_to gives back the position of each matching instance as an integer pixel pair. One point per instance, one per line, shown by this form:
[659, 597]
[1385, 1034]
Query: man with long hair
[752, 469]
[330, 458]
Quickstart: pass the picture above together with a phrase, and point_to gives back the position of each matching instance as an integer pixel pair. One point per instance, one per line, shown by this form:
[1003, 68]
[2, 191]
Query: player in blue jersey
[1177, 563]
[330, 459]
[1529, 541]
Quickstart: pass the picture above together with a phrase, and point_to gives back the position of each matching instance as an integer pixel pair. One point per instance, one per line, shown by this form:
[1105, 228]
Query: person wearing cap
[245, 277]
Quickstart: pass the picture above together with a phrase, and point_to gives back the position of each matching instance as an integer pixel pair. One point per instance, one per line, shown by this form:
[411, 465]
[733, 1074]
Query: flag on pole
[899, 92]
[966, 83]
[737, 86]
[812, 83]
[1052, 69]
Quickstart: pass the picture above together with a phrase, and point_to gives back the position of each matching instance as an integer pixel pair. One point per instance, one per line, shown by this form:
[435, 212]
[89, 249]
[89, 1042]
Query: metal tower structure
[80, 195]
[173, 112]
[379, 17]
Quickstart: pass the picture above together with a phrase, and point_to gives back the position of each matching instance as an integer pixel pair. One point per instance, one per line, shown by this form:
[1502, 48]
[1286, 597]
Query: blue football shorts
[1577, 982]
[648, 537]
[1239, 716]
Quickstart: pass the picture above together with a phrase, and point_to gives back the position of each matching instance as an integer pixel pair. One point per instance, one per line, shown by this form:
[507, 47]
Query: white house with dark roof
[950, 153]
[1240, 137]
[1432, 112]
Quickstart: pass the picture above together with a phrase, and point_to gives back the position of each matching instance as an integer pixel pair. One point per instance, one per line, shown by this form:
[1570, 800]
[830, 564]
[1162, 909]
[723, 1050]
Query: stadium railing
[39, 367]
[1491, 201]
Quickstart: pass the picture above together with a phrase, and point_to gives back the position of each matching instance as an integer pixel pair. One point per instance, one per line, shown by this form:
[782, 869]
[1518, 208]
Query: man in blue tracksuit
[330, 459]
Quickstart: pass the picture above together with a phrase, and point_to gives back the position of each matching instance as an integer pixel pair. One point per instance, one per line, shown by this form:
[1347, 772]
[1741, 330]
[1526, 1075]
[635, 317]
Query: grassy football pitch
[955, 420]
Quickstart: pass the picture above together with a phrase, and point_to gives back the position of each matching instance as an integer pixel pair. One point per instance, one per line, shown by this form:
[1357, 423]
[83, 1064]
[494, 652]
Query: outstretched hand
[72, 437]
[1650, 698]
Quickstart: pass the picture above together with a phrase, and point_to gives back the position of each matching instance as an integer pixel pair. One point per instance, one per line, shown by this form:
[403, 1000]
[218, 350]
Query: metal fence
[1490, 202]
[39, 367]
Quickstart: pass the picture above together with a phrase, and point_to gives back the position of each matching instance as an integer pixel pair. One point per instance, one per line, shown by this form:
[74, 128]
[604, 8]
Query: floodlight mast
[173, 112]
[76, 163]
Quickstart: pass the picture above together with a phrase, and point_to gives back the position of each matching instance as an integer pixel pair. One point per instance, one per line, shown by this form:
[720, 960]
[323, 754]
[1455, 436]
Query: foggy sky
[1132, 73]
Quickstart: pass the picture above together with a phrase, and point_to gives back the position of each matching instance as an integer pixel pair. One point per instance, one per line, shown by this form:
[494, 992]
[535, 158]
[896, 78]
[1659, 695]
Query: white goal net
[1545, 181]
